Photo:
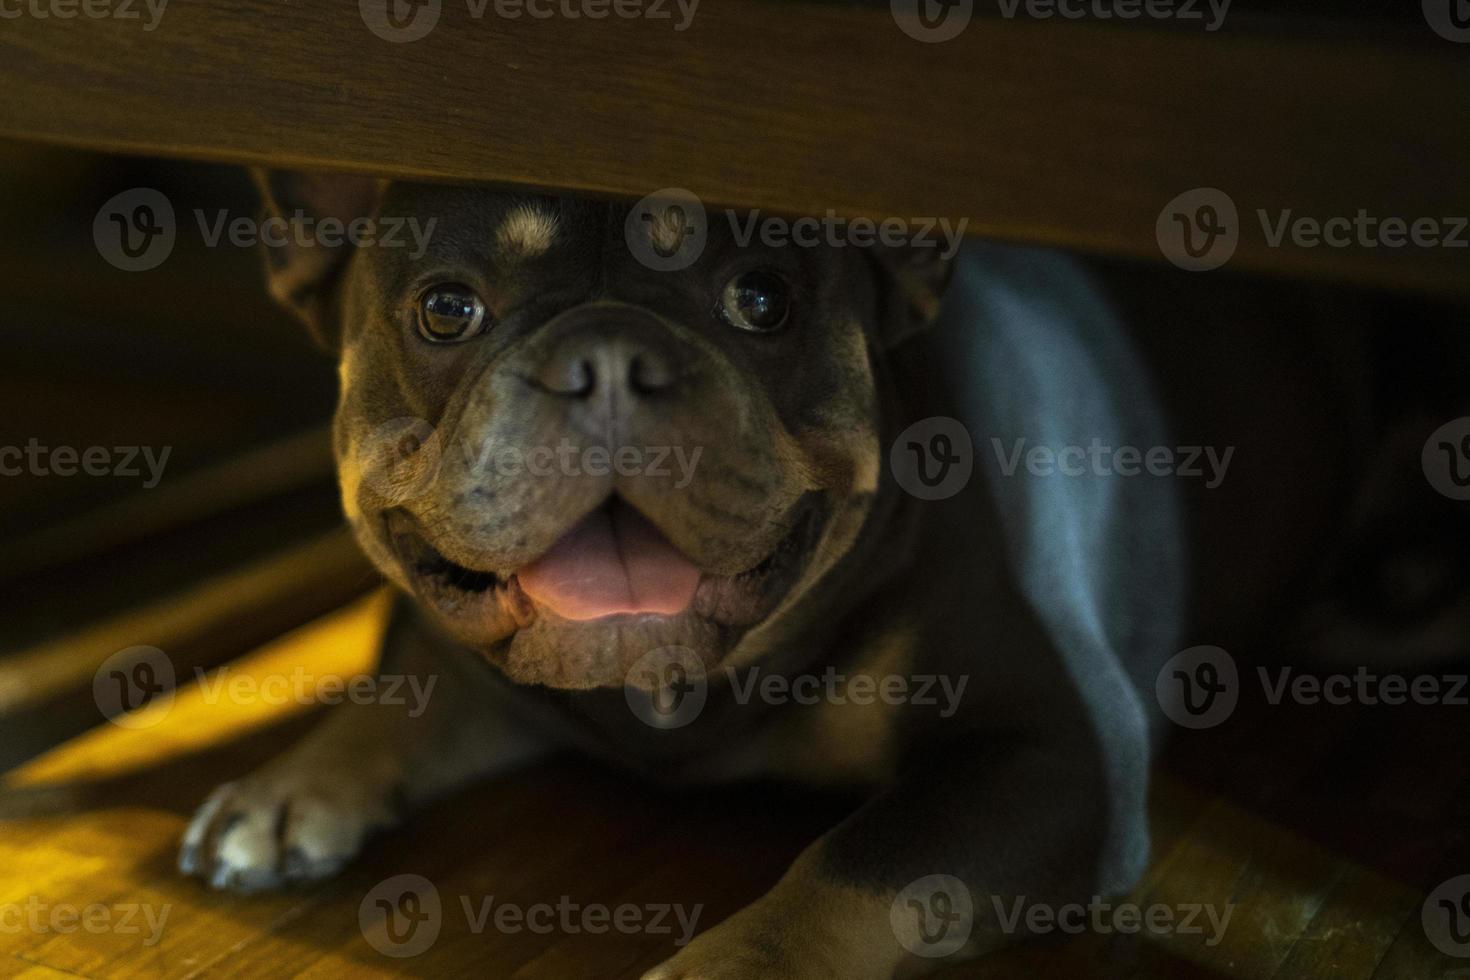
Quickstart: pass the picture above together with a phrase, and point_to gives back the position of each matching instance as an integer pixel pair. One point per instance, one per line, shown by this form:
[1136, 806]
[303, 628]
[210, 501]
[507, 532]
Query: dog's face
[574, 459]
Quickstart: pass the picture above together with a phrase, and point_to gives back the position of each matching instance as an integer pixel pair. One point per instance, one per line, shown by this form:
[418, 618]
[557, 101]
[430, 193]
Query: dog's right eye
[449, 313]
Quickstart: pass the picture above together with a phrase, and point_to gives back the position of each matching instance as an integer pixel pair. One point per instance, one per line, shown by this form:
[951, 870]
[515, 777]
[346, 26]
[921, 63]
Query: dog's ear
[912, 283]
[303, 274]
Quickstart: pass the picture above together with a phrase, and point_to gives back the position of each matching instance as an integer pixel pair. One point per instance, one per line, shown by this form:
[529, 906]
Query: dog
[506, 401]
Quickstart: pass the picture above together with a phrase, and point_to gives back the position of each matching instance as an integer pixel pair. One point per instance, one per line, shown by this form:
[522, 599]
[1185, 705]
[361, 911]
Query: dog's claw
[275, 829]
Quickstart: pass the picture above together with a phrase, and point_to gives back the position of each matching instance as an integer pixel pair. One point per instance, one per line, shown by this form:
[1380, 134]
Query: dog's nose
[596, 361]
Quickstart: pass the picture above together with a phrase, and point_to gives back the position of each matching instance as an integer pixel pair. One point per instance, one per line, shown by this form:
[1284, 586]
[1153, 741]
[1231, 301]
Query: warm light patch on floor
[257, 691]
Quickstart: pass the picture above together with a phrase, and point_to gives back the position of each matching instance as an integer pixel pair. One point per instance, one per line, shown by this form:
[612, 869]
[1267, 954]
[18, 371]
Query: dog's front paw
[777, 940]
[278, 827]
[735, 954]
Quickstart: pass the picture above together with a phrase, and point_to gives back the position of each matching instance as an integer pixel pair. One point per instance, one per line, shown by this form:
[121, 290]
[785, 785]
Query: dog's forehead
[510, 227]
[498, 223]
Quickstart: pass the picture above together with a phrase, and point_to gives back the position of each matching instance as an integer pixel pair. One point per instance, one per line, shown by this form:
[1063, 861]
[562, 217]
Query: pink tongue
[614, 561]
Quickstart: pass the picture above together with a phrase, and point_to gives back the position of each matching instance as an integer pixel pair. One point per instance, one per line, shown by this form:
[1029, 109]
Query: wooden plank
[46, 692]
[283, 465]
[1058, 133]
[95, 822]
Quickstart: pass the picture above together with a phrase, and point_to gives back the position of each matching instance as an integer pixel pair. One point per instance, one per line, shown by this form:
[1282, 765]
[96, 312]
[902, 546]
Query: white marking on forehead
[527, 231]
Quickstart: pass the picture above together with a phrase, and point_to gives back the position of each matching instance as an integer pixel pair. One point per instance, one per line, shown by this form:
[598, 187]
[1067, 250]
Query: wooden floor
[1324, 833]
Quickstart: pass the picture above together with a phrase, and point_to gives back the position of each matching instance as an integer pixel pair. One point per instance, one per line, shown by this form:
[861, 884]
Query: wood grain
[46, 691]
[1322, 850]
[1059, 133]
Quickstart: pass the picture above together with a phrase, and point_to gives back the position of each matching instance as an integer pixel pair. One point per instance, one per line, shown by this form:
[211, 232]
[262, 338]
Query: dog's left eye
[449, 313]
[757, 301]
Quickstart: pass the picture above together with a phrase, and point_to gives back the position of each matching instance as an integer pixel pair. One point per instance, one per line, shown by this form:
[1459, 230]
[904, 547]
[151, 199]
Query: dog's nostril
[648, 372]
[581, 378]
[580, 374]
[574, 377]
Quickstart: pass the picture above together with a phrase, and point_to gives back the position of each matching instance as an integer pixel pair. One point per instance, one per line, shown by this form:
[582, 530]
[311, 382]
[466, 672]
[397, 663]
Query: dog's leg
[1017, 825]
[308, 812]
[1033, 795]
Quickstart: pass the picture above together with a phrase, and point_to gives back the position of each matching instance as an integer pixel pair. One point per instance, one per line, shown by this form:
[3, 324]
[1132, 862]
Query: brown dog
[622, 497]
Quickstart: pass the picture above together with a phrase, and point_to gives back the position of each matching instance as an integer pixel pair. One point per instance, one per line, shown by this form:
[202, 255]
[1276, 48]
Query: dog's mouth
[612, 564]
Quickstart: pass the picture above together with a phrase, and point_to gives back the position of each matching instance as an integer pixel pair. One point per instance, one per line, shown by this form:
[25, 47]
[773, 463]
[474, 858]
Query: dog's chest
[825, 726]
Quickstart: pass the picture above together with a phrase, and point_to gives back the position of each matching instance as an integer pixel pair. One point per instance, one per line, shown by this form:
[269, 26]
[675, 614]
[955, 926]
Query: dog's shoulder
[1051, 385]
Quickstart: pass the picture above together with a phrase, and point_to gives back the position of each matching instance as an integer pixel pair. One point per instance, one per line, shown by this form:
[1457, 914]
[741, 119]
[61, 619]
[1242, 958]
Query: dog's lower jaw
[531, 644]
[602, 653]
